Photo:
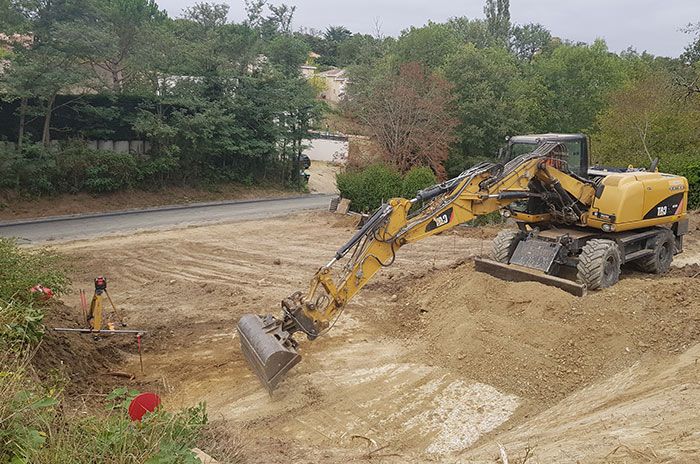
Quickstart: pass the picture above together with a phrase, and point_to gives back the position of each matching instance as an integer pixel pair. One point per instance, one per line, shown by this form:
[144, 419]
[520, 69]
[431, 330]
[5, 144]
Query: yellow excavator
[590, 221]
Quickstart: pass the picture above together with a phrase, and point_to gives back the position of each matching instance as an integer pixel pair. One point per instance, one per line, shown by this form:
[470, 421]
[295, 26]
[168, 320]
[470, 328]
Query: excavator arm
[267, 341]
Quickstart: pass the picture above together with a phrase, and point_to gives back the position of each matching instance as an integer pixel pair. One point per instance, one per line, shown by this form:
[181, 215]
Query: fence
[137, 147]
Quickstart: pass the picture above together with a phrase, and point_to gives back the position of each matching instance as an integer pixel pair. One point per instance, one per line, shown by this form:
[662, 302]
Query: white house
[336, 81]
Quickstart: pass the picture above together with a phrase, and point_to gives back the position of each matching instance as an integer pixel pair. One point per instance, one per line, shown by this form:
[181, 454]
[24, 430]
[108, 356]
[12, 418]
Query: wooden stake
[138, 341]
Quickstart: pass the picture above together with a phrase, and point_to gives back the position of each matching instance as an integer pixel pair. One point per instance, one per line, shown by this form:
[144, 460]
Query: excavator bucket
[269, 350]
[516, 273]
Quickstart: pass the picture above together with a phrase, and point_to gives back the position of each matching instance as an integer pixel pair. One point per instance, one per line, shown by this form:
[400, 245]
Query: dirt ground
[433, 362]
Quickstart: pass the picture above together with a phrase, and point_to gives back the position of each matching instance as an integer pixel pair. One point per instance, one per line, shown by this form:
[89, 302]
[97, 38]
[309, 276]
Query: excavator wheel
[599, 264]
[504, 245]
[664, 246]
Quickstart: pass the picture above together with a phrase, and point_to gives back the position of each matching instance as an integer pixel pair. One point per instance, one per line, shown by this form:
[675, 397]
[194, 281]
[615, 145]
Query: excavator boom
[267, 341]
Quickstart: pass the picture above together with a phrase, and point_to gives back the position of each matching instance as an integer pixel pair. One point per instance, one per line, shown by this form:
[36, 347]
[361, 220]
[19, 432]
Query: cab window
[518, 149]
[574, 150]
[574, 156]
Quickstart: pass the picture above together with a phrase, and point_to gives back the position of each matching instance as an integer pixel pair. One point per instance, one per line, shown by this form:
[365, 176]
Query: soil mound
[78, 358]
[540, 342]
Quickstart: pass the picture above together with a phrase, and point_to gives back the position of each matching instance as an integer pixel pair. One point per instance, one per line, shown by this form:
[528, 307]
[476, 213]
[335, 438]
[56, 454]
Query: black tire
[664, 246]
[599, 264]
[504, 245]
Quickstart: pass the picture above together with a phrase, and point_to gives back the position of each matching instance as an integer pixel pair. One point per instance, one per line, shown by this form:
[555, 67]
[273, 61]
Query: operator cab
[576, 145]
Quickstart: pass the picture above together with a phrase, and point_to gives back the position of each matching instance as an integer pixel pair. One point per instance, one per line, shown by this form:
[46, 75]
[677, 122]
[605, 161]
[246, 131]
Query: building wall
[327, 150]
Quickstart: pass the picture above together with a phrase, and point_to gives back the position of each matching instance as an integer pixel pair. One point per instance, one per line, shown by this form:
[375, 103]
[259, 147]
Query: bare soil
[433, 362]
[322, 178]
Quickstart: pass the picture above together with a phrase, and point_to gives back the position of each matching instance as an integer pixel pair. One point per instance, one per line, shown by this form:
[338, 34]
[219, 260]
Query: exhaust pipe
[269, 349]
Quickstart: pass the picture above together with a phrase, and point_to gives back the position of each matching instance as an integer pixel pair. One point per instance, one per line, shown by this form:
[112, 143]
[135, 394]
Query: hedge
[687, 166]
[368, 188]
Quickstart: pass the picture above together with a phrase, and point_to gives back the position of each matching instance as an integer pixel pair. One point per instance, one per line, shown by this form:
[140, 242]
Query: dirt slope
[456, 362]
[646, 413]
[322, 178]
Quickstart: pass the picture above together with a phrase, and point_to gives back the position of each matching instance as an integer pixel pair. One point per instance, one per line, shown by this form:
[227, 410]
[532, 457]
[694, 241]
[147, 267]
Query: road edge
[125, 212]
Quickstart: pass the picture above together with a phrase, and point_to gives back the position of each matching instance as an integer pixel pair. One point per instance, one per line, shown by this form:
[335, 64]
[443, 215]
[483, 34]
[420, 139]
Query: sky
[646, 25]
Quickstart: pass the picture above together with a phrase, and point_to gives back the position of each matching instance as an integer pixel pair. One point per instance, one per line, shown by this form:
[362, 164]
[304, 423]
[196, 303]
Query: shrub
[692, 173]
[687, 166]
[369, 187]
[72, 164]
[73, 167]
[417, 179]
[157, 171]
[111, 172]
[25, 407]
[31, 171]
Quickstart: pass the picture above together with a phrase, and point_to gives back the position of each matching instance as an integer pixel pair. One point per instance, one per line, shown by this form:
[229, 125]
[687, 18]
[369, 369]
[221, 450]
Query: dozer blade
[515, 273]
[269, 350]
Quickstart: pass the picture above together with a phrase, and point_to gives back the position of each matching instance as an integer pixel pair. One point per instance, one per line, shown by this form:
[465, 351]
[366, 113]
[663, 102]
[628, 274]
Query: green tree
[288, 53]
[208, 15]
[16, 15]
[691, 53]
[529, 39]
[108, 36]
[646, 120]
[473, 31]
[498, 20]
[333, 37]
[429, 45]
[579, 79]
[39, 69]
[687, 76]
[362, 49]
[278, 20]
[485, 83]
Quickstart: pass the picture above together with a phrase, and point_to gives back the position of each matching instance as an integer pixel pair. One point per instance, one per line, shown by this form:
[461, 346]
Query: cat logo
[440, 220]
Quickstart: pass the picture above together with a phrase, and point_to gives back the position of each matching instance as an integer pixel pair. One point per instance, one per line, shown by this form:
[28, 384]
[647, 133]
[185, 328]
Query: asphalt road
[62, 228]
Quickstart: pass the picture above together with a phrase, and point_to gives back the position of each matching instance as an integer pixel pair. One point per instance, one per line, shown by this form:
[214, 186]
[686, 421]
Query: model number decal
[667, 207]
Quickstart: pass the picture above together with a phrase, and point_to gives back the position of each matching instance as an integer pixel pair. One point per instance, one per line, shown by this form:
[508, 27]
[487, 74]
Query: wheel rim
[609, 269]
[664, 253]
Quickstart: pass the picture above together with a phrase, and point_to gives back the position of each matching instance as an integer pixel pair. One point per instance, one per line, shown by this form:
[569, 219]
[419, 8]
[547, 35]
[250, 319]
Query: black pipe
[372, 223]
[517, 195]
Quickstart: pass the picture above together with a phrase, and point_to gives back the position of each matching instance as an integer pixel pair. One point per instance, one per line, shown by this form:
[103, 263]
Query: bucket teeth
[269, 350]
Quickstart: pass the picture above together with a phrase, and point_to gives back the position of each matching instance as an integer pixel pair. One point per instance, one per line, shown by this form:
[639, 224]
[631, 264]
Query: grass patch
[35, 424]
